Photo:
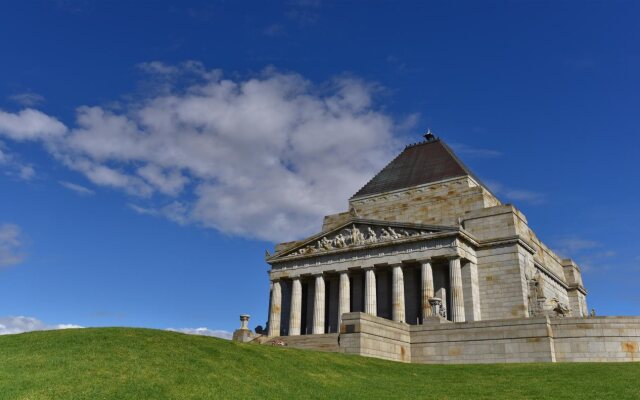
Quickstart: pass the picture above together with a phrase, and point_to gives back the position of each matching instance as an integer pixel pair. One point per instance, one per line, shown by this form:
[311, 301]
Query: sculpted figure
[325, 244]
[385, 235]
[339, 241]
[356, 236]
[393, 233]
[539, 284]
[371, 236]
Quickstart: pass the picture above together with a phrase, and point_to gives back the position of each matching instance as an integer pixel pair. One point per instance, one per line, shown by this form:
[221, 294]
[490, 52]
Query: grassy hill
[121, 363]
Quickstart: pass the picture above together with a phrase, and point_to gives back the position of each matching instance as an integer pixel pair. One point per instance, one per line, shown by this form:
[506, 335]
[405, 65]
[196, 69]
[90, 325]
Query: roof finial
[429, 136]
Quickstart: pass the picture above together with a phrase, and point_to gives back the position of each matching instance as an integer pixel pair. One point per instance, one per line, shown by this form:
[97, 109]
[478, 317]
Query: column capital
[318, 274]
[368, 268]
[425, 261]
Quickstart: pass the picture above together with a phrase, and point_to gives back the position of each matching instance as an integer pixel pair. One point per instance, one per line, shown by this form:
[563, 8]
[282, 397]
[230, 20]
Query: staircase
[324, 342]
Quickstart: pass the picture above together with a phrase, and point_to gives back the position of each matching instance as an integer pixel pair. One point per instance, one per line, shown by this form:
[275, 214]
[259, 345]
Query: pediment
[358, 233]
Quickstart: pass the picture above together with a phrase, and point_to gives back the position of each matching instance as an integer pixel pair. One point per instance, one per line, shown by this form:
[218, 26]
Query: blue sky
[151, 151]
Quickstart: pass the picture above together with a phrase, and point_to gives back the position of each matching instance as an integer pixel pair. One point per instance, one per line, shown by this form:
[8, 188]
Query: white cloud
[511, 194]
[27, 99]
[30, 124]
[470, 151]
[571, 245]
[79, 189]
[11, 243]
[11, 325]
[204, 332]
[266, 156]
[13, 167]
[157, 67]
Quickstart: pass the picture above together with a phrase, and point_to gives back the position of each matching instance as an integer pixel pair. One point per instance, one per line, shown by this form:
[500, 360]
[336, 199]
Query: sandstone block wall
[512, 340]
[500, 283]
[597, 339]
[372, 336]
[436, 204]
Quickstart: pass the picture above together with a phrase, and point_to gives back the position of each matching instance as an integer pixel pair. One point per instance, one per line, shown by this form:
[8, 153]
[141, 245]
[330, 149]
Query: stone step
[324, 342]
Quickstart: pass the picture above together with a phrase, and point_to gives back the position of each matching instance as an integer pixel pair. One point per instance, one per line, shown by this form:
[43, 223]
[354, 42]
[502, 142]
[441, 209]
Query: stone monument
[429, 266]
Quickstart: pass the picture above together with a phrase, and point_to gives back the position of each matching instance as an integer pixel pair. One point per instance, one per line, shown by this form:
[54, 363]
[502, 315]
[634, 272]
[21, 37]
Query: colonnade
[456, 308]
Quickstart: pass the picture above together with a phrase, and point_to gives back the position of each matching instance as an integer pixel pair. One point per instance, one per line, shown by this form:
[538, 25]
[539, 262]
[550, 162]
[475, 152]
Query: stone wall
[511, 340]
[502, 294]
[597, 339]
[440, 203]
[371, 336]
[543, 339]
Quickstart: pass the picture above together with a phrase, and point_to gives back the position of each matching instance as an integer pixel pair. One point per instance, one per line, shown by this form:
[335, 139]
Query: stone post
[244, 321]
[370, 304]
[318, 306]
[457, 296]
[427, 288]
[397, 293]
[344, 305]
[296, 307]
[276, 304]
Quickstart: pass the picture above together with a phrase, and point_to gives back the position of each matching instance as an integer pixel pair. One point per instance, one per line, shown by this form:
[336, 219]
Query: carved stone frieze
[362, 253]
[357, 235]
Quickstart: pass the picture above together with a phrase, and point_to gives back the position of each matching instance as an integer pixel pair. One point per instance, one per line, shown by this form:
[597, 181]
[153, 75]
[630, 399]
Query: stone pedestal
[244, 334]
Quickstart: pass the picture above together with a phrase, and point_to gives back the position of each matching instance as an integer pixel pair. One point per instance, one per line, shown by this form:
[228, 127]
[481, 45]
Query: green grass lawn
[122, 363]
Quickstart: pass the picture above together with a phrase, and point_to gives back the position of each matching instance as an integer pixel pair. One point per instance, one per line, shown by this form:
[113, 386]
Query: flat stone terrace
[596, 339]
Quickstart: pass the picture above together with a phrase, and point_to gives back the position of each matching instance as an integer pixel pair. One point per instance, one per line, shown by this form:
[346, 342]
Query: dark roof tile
[421, 163]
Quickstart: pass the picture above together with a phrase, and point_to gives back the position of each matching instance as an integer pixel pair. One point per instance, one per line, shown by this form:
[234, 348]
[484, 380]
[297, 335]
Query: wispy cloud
[175, 211]
[11, 245]
[304, 12]
[27, 99]
[14, 167]
[204, 332]
[512, 194]
[11, 325]
[471, 151]
[79, 189]
[572, 245]
[274, 30]
[590, 255]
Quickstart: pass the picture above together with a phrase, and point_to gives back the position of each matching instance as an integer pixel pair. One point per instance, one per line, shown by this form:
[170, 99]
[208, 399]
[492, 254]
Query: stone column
[457, 296]
[296, 307]
[370, 304]
[344, 305]
[318, 306]
[276, 304]
[397, 293]
[427, 288]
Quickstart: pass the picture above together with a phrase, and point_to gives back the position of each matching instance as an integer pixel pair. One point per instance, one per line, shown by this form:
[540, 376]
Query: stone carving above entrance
[358, 234]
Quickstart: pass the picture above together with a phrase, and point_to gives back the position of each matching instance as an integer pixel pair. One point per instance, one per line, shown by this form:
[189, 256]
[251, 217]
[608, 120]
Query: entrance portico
[391, 271]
